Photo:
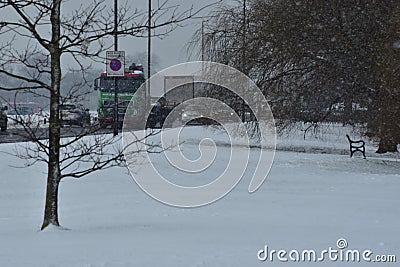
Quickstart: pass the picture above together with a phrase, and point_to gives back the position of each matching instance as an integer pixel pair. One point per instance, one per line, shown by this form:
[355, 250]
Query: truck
[127, 86]
[161, 101]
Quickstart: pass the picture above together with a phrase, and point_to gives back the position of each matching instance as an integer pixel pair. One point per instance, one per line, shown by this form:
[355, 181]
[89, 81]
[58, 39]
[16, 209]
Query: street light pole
[244, 69]
[115, 78]
[148, 98]
[202, 40]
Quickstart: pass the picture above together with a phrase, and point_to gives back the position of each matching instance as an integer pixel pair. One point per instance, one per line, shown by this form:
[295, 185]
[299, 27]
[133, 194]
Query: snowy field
[308, 202]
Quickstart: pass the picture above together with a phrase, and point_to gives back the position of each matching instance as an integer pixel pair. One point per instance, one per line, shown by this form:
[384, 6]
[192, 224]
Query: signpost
[115, 67]
[115, 63]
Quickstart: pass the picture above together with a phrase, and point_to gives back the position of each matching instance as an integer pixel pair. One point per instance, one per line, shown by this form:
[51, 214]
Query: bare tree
[315, 61]
[39, 36]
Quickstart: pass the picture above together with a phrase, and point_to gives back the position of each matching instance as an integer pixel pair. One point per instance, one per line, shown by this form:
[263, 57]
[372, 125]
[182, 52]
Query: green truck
[127, 86]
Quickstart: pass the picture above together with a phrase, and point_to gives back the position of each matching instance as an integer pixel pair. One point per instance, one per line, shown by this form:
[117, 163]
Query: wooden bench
[355, 146]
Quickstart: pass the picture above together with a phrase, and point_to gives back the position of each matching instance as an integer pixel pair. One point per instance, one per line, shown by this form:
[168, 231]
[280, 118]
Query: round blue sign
[115, 64]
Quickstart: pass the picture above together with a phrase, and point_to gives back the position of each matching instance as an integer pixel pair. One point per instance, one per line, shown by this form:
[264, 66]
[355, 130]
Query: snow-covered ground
[308, 202]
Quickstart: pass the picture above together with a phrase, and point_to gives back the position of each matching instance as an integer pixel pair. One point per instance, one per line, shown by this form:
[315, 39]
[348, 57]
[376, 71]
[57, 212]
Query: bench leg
[355, 149]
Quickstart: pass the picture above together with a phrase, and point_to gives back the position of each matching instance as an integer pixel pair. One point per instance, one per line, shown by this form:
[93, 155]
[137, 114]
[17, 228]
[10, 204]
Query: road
[13, 135]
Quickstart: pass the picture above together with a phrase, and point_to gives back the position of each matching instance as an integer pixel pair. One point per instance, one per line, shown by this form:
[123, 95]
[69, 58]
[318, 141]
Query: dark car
[194, 114]
[158, 115]
[74, 114]
[3, 118]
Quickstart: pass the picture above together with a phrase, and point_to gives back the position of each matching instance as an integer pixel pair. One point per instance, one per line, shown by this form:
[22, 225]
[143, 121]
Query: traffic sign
[115, 63]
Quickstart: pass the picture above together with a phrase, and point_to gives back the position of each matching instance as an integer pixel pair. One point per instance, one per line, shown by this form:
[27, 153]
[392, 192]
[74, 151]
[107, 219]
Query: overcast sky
[170, 50]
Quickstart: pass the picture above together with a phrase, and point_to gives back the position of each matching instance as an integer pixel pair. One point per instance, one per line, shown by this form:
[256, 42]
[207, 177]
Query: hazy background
[166, 51]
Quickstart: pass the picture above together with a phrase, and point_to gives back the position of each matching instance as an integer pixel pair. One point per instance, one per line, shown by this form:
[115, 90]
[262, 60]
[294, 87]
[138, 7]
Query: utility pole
[202, 40]
[116, 126]
[244, 69]
[244, 36]
[148, 98]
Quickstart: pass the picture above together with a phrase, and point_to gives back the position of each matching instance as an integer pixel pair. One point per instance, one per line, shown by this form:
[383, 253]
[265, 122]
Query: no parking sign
[115, 63]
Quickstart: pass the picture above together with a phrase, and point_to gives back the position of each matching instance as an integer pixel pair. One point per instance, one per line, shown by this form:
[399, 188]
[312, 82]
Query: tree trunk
[388, 125]
[53, 170]
[51, 209]
[347, 113]
[387, 145]
[388, 131]
[54, 173]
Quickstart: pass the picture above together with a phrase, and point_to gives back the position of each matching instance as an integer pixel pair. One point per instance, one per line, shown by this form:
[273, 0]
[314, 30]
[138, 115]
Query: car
[158, 115]
[3, 118]
[20, 116]
[193, 114]
[28, 107]
[222, 116]
[21, 111]
[74, 114]
[26, 116]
